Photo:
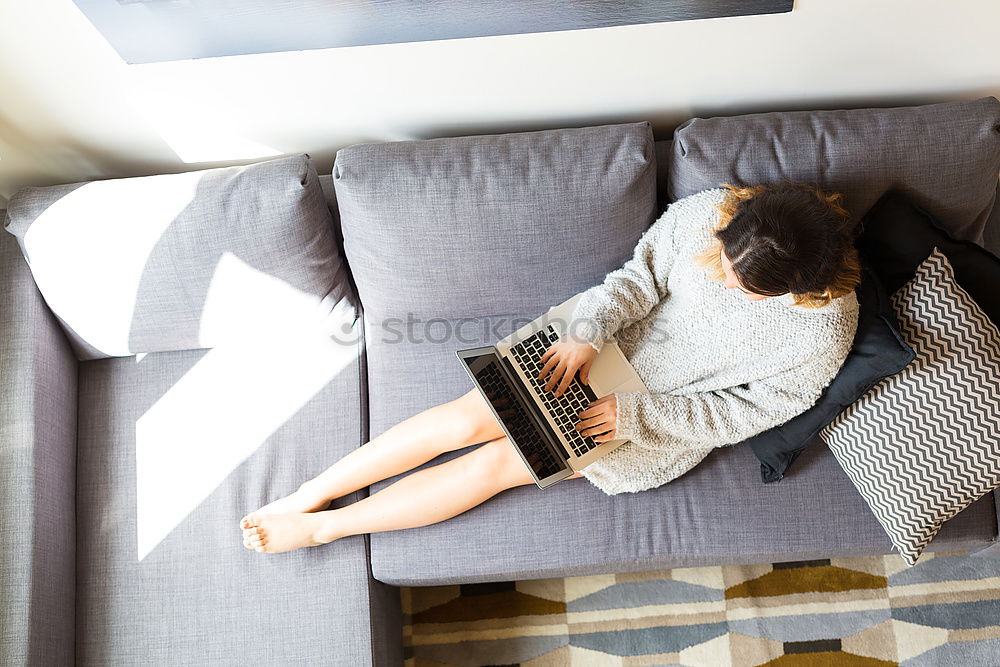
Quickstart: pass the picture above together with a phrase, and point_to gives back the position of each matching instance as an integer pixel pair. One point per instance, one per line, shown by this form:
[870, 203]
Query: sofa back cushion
[483, 225]
[181, 261]
[945, 156]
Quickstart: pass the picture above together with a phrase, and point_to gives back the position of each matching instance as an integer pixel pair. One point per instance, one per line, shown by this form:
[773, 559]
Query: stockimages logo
[467, 331]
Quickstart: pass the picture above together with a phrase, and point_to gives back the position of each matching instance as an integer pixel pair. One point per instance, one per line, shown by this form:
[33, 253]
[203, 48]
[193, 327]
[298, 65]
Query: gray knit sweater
[719, 367]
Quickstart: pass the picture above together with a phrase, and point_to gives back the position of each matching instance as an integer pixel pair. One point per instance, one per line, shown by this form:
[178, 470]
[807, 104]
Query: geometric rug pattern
[872, 611]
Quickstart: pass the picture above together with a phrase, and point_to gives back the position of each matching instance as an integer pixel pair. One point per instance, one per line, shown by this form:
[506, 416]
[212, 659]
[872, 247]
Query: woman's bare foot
[297, 502]
[277, 533]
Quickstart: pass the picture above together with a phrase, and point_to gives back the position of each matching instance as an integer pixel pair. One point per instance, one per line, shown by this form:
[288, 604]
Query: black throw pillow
[897, 236]
[878, 352]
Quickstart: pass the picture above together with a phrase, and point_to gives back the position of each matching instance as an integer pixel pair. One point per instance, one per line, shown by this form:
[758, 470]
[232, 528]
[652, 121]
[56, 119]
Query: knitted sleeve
[725, 416]
[629, 293]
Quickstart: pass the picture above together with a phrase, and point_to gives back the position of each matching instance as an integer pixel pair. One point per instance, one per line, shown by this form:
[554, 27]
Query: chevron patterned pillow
[924, 444]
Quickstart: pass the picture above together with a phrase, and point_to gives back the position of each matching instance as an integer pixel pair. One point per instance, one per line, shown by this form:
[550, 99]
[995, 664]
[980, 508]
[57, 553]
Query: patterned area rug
[840, 612]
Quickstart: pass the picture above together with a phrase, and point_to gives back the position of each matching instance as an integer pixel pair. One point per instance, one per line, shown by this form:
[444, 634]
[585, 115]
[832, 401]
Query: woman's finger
[556, 376]
[590, 411]
[592, 421]
[566, 381]
[610, 435]
[597, 429]
[549, 365]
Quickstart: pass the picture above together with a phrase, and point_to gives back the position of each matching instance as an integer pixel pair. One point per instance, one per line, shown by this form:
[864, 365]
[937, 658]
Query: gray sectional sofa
[123, 488]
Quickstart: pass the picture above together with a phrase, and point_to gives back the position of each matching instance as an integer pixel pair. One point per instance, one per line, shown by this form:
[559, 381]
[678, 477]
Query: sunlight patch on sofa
[244, 301]
[96, 240]
[220, 412]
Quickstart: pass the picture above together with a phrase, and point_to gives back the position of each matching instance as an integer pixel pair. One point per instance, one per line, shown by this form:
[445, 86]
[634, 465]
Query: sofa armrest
[38, 404]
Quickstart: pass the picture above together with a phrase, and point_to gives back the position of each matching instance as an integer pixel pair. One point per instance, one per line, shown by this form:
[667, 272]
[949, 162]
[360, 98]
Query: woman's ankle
[314, 492]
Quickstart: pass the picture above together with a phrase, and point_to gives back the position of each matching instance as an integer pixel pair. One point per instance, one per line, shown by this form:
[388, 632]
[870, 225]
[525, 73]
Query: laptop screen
[507, 404]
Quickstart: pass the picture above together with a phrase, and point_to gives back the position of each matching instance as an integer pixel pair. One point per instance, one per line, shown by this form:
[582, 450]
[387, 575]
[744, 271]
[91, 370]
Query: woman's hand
[600, 419]
[563, 359]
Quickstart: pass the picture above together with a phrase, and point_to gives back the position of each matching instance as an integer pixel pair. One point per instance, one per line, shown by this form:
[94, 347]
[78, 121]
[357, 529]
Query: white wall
[71, 110]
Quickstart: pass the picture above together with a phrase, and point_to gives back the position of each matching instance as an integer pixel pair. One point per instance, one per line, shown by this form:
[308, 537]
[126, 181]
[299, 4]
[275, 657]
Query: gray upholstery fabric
[946, 156]
[175, 241]
[161, 586]
[431, 227]
[38, 377]
[662, 151]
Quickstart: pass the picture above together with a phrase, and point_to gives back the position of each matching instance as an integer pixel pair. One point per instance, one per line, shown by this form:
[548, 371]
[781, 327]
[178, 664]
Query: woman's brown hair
[791, 237]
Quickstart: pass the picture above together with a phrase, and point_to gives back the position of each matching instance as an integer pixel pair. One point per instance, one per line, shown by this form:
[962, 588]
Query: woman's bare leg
[410, 443]
[424, 497]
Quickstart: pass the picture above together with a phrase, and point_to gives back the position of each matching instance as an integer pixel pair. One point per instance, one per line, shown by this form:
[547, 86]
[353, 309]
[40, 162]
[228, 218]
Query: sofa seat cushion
[945, 155]
[181, 261]
[485, 225]
[176, 447]
[717, 513]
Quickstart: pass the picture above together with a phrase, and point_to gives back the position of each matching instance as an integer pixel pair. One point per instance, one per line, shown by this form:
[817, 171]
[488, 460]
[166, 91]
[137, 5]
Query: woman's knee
[471, 419]
[497, 462]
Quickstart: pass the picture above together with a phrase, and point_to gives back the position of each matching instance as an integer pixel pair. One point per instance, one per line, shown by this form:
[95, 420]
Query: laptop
[540, 426]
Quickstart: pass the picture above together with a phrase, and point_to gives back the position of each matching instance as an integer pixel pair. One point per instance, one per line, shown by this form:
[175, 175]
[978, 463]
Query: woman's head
[789, 238]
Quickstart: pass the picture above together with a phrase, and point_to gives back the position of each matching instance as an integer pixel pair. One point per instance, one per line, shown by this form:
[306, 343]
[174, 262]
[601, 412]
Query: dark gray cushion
[946, 156]
[991, 235]
[473, 226]
[181, 261]
[898, 236]
[174, 449]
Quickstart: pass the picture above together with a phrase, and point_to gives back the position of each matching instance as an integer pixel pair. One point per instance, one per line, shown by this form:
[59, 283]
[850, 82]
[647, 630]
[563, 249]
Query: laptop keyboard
[565, 408]
[522, 430]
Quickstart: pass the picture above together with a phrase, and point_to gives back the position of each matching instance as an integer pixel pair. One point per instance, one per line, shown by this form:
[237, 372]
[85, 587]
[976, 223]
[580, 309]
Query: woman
[737, 309]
